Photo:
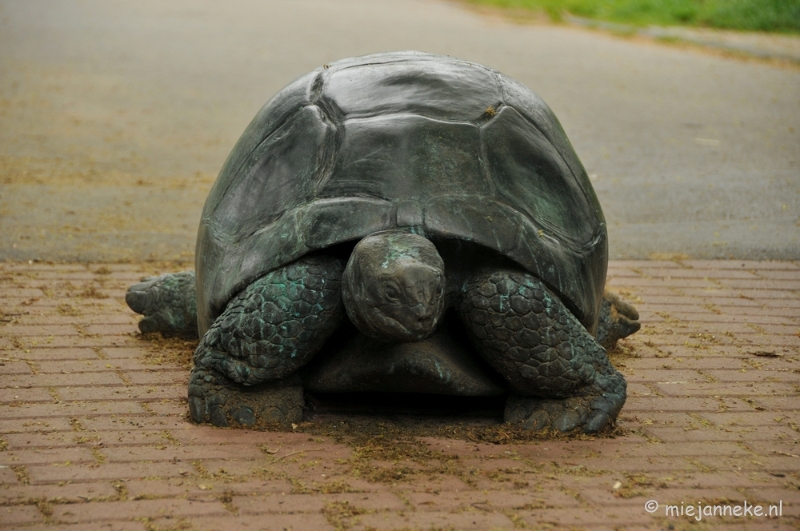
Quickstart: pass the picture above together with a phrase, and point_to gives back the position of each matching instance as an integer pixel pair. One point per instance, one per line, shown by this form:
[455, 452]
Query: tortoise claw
[597, 421]
[216, 400]
[618, 319]
[564, 416]
[595, 408]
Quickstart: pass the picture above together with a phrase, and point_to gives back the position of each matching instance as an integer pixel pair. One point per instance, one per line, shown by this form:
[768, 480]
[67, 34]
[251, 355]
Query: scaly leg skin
[560, 376]
[266, 333]
[168, 303]
[618, 319]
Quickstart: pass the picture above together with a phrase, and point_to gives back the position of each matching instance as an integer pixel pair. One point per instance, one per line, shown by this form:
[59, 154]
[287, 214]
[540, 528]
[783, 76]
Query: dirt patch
[177, 351]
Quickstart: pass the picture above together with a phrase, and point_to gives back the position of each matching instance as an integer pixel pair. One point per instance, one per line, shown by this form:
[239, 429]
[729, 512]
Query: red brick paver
[94, 435]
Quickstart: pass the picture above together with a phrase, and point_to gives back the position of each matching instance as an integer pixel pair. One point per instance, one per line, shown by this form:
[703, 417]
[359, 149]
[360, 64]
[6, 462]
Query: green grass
[752, 15]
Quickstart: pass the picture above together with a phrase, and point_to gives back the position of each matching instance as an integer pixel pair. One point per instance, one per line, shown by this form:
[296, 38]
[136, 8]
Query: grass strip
[781, 16]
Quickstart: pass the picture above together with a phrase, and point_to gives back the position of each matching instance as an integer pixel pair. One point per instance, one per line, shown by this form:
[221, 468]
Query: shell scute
[251, 201]
[407, 157]
[446, 90]
[527, 170]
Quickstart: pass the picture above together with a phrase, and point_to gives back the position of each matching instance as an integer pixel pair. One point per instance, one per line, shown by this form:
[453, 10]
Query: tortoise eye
[391, 291]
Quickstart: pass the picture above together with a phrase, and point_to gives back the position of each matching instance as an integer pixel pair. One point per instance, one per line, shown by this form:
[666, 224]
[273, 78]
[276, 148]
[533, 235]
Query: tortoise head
[393, 286]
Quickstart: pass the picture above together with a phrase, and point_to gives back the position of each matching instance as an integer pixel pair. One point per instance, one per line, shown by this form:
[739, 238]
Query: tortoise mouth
[412, 324]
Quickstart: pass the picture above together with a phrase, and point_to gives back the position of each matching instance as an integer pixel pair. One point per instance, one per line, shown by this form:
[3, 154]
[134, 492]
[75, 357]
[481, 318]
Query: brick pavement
[94, 436]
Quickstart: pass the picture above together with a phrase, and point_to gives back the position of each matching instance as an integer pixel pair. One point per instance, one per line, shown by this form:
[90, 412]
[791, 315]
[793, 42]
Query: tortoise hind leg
[560, 376]
[168, 303]
[618, 319]
[246, 364]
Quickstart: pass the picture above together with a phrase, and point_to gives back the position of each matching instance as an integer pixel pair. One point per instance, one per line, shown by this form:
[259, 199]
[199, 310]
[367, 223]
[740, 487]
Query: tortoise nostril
[426, 322]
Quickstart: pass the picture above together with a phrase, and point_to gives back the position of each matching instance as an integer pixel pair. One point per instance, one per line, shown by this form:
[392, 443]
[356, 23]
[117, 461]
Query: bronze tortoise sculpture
[399, 222]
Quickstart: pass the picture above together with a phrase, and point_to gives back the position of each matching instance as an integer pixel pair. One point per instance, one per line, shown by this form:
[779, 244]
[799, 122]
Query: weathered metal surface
[445, 148]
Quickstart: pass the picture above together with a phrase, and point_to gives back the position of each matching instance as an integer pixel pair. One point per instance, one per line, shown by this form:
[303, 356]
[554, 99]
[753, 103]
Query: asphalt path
[115, 118]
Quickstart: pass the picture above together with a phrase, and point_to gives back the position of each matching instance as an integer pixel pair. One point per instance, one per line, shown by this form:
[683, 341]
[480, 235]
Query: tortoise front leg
[560, 375]
[245, 364]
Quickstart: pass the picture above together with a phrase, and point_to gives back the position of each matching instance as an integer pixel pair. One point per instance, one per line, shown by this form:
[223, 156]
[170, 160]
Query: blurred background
[115, 117]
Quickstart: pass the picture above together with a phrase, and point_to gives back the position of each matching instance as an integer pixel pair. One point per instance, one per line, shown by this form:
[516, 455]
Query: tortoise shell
[444, 148]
